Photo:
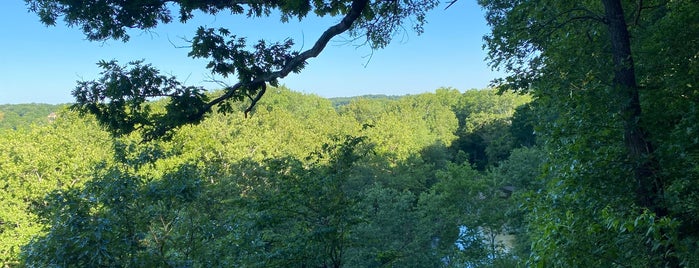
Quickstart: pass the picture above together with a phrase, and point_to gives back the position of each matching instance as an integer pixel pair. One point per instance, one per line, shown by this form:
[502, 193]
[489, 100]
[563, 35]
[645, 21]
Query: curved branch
[355, 11]
[253, 101]
[189, 105]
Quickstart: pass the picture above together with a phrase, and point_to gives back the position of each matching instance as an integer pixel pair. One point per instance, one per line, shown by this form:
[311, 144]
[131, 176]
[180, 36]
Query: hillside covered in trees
[13, 116]
[590, 158]
[425, 180]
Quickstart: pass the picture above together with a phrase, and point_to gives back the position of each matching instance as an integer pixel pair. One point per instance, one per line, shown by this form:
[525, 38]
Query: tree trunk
[649, 188]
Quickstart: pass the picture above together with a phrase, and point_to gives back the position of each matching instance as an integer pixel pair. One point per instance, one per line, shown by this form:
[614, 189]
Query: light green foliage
[404, 126]
[365, 111]
[22, 116]
[343, 101]
[298, 183]
[609, 179]
[35, 161]
[121, 218]
[283, 124]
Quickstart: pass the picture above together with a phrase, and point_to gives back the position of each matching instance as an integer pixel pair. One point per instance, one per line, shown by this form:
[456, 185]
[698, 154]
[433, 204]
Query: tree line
[427, 180]
[615, 156]
[13, 116]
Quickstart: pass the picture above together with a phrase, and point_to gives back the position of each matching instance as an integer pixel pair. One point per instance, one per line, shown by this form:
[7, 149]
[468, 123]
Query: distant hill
[342, 101]
[15, 116]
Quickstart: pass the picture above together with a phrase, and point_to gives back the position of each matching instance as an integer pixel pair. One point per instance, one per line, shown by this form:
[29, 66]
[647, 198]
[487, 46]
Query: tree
[35, 161]
[585, 62]
[484, 118]
[120, 98]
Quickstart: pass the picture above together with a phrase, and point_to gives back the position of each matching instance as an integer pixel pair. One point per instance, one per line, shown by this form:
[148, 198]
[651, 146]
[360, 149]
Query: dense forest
[424, 180]
[584, 154]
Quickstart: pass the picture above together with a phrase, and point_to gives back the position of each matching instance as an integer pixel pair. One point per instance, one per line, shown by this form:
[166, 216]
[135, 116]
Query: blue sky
[42, 64]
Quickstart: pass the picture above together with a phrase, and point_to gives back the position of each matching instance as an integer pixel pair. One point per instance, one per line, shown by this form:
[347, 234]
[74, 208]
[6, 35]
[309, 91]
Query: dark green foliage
[119, 100]
[523, 122]
[446, 179]
[484, 125]
[614, 83]
[230, 57]
[303, 216]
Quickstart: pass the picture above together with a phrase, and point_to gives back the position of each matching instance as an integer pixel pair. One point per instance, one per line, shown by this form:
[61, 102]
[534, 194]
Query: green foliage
[342, 101]
[386, 236]
[523, 122]
[615, 128]
[126, 93]
[485, 119]
[371, 184]
[432, 180]
[35, 161]
[120, 99]
[22, 116]
[300, 216]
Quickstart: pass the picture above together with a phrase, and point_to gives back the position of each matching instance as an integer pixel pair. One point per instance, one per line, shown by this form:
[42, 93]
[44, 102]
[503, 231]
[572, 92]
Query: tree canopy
[299, 183]
[615, 89]
[120, 98]
[588, 156]
[24, 115]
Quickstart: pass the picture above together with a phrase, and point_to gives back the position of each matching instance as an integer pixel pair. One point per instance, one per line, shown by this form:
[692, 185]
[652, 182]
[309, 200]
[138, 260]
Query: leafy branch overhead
[119, 99]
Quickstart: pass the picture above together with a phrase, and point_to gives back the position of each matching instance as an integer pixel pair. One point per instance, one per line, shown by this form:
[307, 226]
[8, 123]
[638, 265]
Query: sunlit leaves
[296, 184]
[35, 161]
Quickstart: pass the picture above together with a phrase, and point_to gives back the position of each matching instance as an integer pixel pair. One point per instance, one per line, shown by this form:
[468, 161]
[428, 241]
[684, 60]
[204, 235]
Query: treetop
[120, 98]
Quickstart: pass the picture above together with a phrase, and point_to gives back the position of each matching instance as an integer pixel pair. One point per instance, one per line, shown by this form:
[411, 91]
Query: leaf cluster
[120, 100]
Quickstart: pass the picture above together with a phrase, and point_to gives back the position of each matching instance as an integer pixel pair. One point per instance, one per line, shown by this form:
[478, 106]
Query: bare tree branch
[450, 4]
[257, 98]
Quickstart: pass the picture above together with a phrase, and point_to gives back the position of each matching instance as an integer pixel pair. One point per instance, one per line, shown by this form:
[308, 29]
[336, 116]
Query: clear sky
[42, 64]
